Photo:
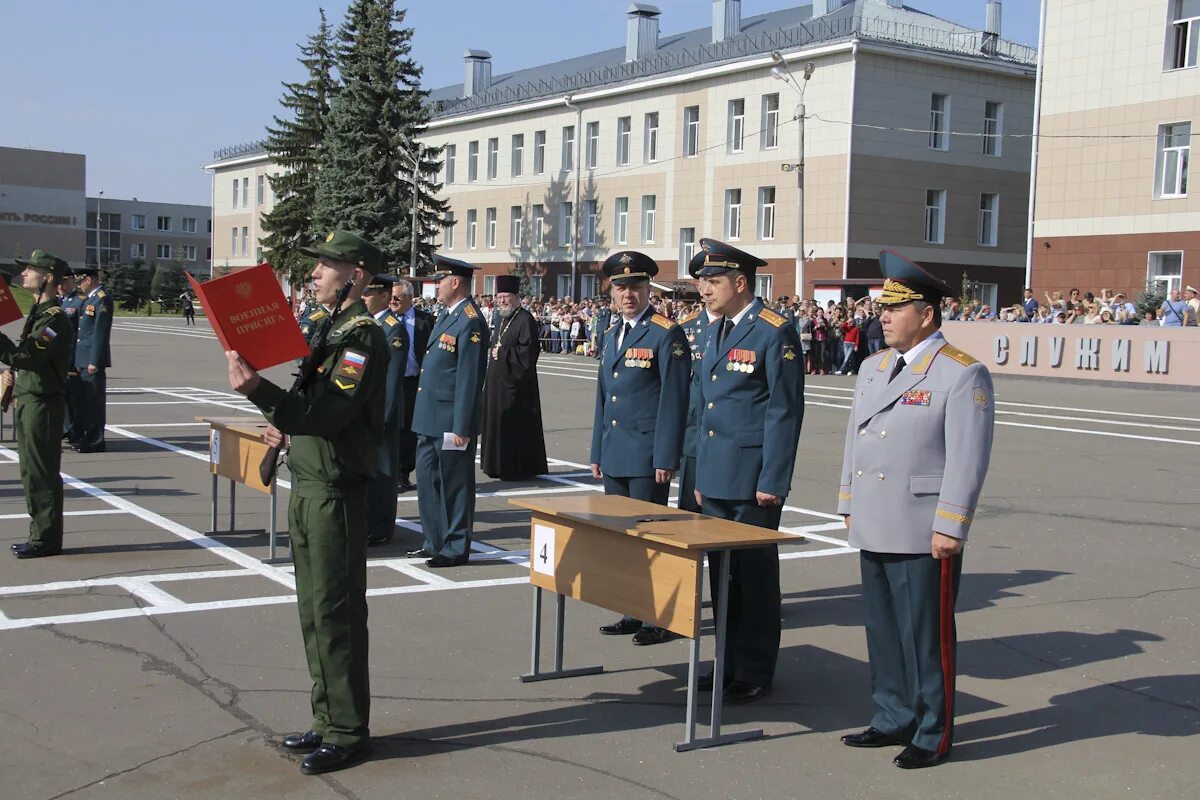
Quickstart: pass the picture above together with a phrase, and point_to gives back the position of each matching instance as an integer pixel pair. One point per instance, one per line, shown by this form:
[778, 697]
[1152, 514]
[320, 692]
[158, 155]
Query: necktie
[726, 327]
[624, 333]
[899, 365]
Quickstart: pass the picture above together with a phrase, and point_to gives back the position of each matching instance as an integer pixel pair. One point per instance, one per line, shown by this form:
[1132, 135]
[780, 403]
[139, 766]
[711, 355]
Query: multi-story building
[135, 230]
[1120, 109]
[41, 204]
[671, 138]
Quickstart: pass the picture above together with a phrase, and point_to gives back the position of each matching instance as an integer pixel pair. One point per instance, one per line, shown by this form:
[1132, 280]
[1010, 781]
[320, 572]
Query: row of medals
[739, 367]
[637, 362]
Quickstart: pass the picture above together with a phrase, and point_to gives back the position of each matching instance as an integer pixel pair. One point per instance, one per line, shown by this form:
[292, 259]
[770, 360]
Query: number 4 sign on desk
[542, 557]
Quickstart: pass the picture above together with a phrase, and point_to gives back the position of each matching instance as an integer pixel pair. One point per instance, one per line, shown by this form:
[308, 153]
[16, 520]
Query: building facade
[676, 137]
[135, 230]
[41, 204]
[1120, 109]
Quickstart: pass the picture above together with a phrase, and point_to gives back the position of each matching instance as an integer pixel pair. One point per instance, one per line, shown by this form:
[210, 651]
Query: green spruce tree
[367, 161]
[294, 144]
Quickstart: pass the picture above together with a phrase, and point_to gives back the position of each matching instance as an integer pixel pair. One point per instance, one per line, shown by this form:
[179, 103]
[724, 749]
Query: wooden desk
[236, 446]
[640, 559]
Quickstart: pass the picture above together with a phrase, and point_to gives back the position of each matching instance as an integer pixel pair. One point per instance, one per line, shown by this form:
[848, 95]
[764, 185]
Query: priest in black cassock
[513, 447]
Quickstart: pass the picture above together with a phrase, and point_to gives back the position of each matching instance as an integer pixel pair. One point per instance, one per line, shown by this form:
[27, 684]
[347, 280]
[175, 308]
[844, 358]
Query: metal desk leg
[213, 528]
[715, 736]
[272, 532]
[232, 504]
[559, 634]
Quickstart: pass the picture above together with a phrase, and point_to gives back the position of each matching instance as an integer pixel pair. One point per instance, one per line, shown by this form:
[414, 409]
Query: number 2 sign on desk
[542, 556]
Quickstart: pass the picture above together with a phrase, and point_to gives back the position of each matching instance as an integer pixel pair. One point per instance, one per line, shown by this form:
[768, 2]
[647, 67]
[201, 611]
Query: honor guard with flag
[641, 403]
[335, 423]
[750, 411]
[40, 358]
[917, 450]
[448, 417]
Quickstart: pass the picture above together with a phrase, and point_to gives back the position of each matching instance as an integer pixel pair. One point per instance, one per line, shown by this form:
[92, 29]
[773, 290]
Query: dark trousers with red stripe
[911, 640]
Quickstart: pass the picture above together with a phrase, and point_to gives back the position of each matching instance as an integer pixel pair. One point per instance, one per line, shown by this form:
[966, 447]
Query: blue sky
[148, 89]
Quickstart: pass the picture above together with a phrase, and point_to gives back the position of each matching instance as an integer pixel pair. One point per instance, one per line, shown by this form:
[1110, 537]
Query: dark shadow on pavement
[1022, 655]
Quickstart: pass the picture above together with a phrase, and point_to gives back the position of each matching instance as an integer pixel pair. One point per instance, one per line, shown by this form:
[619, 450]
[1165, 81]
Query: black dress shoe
[406, 486]
[913, 757]
[34, 551]
[377, 539]
[90, 448]
[421, 553]
[622, 627]
[871, 737]
[705, 682]
[651, 635]
[330, 757]
[744, 692]
[301, 742]
[440, 561]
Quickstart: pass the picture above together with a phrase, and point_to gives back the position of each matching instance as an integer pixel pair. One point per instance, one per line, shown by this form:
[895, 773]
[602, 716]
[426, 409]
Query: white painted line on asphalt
[832, 551]
[164, 424]
[120, 430]
[154, 403]
[413, 571]
[144, 590]
[95, 512]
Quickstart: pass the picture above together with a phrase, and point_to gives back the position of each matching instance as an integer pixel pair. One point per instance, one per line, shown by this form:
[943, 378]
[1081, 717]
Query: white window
[624, 134]
[208, 254]
[489, 284]
[189, 252]
[137, 250]
[691, 131]
[593, 144]
[493, 156]
[1183, 36]
[245, 241]
[587, 285]
[935, 216]
[650, 146]
[1174, 151]
[236, 183]
[1166, 271]
[472, 162]
[622, 228]
[451, 155]
[535, 285]
[448, 230]
[770, 121]
[246, 192]
[472, 228]
[939, 114]
[993, 127]
[766, 212]
[539, 152]
[539, 226]
[989, 219]
[762, 286]
[489, 232]
[188, 225]
[564, 286]
[568, 148]
[518, 154]
[262, 189]
[162, 251]
[516, 227]
[737, 125]
[649, 215]
[591, 221]
[138, 222]
[733, 213]
[567, 228]
[233, 248]
[687, 249]
[164, 223]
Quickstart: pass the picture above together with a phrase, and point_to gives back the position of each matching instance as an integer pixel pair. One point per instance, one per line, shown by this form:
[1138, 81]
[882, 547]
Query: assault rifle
[11, 384]
[305, 376]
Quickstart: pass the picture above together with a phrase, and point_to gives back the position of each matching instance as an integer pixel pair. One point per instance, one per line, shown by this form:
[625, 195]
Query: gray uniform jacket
[917, 449]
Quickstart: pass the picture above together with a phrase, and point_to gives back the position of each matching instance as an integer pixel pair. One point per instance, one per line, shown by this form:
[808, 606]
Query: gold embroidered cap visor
[896, 293]
[906, 281]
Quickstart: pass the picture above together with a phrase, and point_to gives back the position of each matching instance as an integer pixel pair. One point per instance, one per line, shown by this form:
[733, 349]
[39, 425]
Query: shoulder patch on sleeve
[662, 322]
[771, 318]
[470, 311]
[390, 320]
[352, 365]
[689, 318]
[958, 355]
[52, 310]
[100, 293]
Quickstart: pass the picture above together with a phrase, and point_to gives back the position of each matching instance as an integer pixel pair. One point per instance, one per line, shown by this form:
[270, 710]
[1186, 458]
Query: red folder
[9, 312]
[248, 311]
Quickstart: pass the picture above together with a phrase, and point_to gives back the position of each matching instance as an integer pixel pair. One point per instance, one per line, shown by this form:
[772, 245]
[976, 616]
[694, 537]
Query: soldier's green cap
[46, 262]
[349, 248]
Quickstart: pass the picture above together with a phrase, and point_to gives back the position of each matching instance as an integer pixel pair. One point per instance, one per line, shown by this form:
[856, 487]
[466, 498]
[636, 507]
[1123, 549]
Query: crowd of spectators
[1075, 308]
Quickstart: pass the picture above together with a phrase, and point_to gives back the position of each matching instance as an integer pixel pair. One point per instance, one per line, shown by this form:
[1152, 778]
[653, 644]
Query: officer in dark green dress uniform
[752, 404]
[93, 358]
[641, 403]
[39, 403]
[72, 303]
[335, 427]
[448, 417]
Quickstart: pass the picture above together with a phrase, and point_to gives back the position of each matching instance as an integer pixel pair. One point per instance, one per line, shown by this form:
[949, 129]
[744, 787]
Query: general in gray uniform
[917, 450]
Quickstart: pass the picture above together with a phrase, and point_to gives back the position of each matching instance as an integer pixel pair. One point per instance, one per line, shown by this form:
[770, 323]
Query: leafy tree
[294, 144]
[1151, 298]
[129, 284]
[369, 153]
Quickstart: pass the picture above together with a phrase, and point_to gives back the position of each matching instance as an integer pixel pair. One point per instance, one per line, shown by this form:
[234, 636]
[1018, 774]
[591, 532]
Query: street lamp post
[99, 197]
[781, 72]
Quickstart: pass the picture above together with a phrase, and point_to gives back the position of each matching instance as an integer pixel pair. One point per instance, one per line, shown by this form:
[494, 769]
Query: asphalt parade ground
[157, 659]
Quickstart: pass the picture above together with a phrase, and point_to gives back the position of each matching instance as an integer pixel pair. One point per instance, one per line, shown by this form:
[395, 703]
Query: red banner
[9, 312]
[249, 313]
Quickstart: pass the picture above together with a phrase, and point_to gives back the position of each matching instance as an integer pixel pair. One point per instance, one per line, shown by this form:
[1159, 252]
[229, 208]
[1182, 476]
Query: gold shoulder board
[689, 318]
[662, 322]
[958, 355]
[470, 311]
[771, 318]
